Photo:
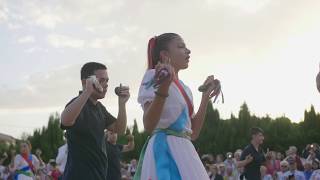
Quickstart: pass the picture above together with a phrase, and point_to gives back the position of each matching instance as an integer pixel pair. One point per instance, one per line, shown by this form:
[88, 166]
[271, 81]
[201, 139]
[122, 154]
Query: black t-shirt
[114, 154]
[87, 158]
[217, 177]
[252, 170]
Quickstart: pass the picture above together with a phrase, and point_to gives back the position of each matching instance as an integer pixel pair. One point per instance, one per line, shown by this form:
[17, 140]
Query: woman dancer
[168, 114]
[25, 163]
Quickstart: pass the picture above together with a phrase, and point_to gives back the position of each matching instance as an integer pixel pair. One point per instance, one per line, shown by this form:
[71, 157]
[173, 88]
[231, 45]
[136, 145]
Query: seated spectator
[315, 175]
[307, 169]
[229, 162]
[315, 165]
[264, 175]
[293, 153]
[272, 164]
[132, 167]
[214, 173]
[219, 159]
[2, 170]
[279, 156]
[293, 172]
[229, 174]
[55, 172]
[222, 169]
[284, 167]
[237, 155]
[237, 172]
[312, 156]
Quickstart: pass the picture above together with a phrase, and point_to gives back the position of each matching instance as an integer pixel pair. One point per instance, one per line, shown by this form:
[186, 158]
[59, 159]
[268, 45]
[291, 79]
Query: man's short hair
[256, 130]
[89, 68]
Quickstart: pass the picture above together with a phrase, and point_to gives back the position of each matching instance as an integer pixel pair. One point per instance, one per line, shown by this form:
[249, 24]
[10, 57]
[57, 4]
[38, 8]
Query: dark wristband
[161, 95]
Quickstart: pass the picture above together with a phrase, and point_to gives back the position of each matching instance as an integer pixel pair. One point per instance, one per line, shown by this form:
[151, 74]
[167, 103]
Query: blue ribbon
[166, 167]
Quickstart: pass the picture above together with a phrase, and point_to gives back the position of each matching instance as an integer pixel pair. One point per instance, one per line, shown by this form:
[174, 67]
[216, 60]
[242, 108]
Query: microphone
[96, 83]
[117, 90]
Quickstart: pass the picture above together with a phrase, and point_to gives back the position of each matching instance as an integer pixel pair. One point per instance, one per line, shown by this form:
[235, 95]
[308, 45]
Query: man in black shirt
[114, 151]
[85, 120]
[252, 156]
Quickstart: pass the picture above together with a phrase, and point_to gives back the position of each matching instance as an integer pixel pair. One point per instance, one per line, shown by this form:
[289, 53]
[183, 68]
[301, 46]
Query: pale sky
[265, 52]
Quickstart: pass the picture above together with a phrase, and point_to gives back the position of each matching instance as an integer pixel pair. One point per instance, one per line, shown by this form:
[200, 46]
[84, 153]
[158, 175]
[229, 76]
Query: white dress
[21, 164]
[174, 116]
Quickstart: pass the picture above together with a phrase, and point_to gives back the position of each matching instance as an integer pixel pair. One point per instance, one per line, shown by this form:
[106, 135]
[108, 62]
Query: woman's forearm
[198, 120]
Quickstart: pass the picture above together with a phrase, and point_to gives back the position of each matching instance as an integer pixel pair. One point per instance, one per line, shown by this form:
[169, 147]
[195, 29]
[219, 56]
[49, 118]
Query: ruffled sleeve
[146, 90]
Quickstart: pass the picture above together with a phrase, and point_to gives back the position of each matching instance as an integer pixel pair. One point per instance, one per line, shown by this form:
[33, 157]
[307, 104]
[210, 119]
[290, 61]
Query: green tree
[48, 139]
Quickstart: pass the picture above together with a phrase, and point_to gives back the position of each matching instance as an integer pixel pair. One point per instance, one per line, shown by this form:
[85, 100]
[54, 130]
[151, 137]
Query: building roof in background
[7, 138]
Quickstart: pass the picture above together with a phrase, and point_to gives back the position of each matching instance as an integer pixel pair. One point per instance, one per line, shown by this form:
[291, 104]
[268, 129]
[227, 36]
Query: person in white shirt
[264, 175]
[315, 175]
[25, 163]
[284, 167]
[62, 156]
[293, 172]
[169, 115]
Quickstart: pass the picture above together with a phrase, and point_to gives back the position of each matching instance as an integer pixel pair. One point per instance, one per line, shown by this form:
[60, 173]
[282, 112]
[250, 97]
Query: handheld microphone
[117, 90]
[96, 83]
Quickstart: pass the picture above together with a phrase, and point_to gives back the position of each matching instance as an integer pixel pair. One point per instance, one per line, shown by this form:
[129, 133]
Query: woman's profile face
[178, 53]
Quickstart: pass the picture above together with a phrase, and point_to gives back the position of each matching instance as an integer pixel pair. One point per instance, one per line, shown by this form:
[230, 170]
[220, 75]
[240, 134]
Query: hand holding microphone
[120, 89]
[212, 88]
[123, 93]
[92, 84]
[164, 74]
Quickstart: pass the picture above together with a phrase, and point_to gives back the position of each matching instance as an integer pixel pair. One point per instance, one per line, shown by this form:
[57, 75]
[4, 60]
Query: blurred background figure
[284, 167]
[293, 171]
[272, 164]
[214, 172]
[292, 152]
[54, 172]
[132, 167]
[264, 174]
[307, 169]
[25, 163]
[62, 157]
[114, 151]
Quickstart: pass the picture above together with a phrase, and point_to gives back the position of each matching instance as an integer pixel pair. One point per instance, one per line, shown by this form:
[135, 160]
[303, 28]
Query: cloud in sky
[248, 44]
[61, 41]
[26, 39]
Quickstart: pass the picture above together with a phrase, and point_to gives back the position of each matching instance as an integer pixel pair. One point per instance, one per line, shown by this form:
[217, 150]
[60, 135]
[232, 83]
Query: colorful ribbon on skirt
[165, 165]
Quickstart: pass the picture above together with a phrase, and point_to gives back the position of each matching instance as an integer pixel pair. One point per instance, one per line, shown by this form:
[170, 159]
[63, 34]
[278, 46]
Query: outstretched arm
[198, 120]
